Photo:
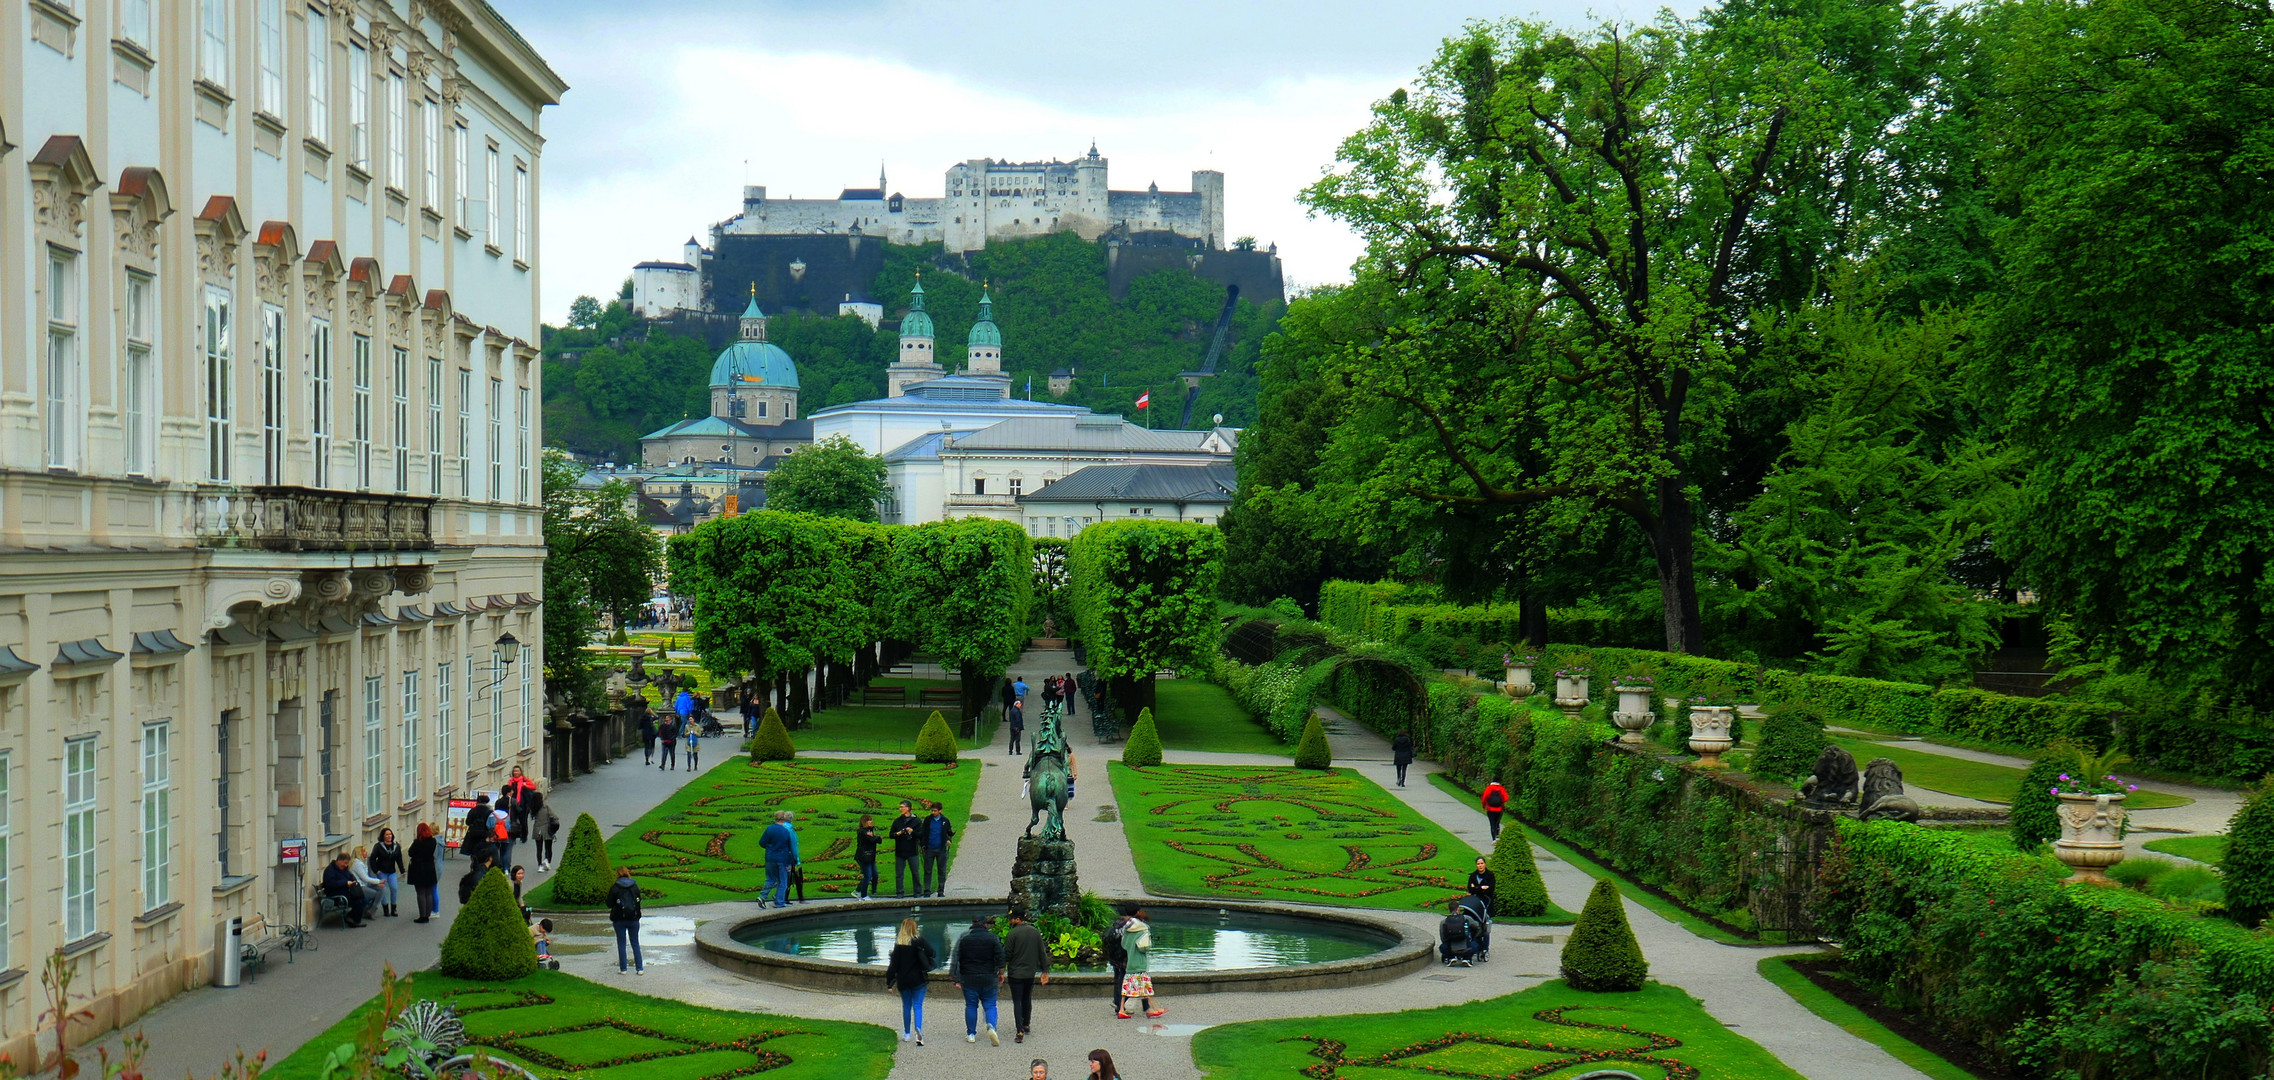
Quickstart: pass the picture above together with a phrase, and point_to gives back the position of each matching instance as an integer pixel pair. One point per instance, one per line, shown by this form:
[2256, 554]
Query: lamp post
[505, 652]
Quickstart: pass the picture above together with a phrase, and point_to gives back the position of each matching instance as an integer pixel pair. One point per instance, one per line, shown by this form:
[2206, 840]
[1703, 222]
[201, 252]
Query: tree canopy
[599, 557]
[960, 593]
[1143, 595]
[833, 478]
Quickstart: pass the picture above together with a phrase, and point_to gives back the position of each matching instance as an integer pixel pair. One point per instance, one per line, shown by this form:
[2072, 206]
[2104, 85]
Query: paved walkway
[288, 1004]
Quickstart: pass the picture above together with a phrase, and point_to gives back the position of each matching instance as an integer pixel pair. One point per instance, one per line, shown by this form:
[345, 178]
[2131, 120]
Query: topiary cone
[2035, 815]
[1143, 750]
[1601, 954]
[583, 877]
[773, 741]
[2249, 863]
[1311, 751]
[488, 940]
[935, 744]
[1517, 889]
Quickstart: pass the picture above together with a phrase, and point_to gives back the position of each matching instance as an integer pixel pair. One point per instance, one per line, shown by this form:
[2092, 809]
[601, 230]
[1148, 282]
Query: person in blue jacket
[780, 842]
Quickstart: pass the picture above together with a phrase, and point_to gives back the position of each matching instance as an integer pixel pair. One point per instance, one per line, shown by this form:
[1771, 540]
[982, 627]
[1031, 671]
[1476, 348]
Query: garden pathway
[288, 1004]
[2209, 813]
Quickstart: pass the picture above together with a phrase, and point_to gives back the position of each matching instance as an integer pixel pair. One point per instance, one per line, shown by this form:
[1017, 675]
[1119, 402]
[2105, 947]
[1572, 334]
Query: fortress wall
[1257, 273]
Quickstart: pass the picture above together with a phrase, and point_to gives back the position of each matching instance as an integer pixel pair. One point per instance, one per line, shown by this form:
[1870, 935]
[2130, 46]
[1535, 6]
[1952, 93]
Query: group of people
[1057, 691]
[369, 880]
[684, 722]
[983, 964]
[1466, 934]
[919, 851]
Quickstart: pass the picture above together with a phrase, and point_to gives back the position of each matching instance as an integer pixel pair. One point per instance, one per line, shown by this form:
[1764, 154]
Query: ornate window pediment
[220, 229]
[402, 307]
[363, 294]
[139, 204]
[275, 249]
[322, 272]
[438, 317]
[62, 178]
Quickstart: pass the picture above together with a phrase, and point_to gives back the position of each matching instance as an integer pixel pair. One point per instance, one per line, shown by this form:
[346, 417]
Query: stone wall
[810, 274]
[1257, 273]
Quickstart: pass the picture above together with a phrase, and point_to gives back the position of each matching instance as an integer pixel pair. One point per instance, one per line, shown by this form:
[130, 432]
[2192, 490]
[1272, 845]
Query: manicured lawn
[1974, 779]
[1249, 832]
[561, 1026]
[1549, 1031]
[878, 729]
[1197, 715]
[1854, 1021]
[2203, 849]
[701, 845]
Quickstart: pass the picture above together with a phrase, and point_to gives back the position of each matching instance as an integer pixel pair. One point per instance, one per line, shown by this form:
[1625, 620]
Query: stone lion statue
[1834, 783]
[1883, 798]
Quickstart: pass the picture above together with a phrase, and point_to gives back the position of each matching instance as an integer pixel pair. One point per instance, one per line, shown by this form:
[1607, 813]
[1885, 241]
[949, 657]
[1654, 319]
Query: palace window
[359, 107]
[62, 374]
[79, 844]
[141, 374]
[445, 714]
[489, 200]
[465, 433]
[220, 383]
[320, 397]
[157, 815]
[7, 857]
[461, 160]
[434, 425]
[319, 77]
[402, 390]
[213, 42]
[398, 133]
[522, 449]
[134, 23]
[410, 737]
[361, 406]
[521, 214]
[270, 56]
[327, 720]
[525, 667]
[430, 153]
[374, 745]
[272, 394]
[497, 440]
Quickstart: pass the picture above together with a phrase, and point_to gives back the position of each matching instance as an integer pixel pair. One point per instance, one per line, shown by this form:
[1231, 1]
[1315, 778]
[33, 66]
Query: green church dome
[985, 332]
[918, 322]
[749, 364]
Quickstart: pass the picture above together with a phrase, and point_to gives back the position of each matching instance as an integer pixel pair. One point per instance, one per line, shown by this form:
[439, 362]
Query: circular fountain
[1198, 946]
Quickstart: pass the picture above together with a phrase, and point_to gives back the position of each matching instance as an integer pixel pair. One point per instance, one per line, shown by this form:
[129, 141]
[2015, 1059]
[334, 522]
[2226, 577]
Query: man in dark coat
[906, 849]
[978, 971]
[1026, 959]
[340, 881]
[1401, 754]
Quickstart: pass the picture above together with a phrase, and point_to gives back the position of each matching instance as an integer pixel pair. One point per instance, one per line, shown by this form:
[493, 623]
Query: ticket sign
[291, 852]
[454, 822]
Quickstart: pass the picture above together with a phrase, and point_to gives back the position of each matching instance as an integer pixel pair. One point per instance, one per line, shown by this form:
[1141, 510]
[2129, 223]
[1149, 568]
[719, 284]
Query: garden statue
[1046, 777]
[1834, 784]
[638, 676]
[1883, 798]
[668, 682]
[1043, 877]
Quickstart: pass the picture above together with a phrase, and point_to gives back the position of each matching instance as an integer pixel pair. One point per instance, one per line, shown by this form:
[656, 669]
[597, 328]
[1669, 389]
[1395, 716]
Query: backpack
[624, 904]
[502, 828]
[1495, 799]
[1115, 951]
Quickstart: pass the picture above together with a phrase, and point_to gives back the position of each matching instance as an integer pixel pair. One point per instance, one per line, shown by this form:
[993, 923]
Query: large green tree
[960, 592]
[2129, 339]
[771, 595]
[833, 478]
[1144, 598]
[599, 556]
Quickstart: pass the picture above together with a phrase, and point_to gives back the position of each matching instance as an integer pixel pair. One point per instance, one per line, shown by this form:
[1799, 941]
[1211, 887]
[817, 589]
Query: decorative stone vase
[1633, 716]
[1709, 733]
[2091, 840]
[1571, 693]
[1519, 681]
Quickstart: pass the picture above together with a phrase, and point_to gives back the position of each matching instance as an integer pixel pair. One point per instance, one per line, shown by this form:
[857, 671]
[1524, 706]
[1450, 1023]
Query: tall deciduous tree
[834, 478]
[599, 556]
[1144, 597]
[960, 591]
[771, 594]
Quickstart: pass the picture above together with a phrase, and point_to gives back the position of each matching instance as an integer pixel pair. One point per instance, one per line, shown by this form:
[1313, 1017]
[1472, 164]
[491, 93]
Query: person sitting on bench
[339, 882]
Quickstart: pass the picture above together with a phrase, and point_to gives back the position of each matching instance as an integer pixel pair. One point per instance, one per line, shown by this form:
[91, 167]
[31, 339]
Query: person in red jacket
[1495, 802]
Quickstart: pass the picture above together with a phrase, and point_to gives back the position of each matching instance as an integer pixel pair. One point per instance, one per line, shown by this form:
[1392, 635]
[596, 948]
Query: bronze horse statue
[1048, 785]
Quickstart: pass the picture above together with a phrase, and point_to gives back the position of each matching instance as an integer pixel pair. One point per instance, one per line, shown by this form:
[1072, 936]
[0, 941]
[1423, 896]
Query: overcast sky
[675, 104]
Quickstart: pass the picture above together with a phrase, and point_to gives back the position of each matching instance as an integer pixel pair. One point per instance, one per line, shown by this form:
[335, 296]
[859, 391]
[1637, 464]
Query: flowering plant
[1518, 660]
[1575, 671]
[1634, 681]
[2075, 784]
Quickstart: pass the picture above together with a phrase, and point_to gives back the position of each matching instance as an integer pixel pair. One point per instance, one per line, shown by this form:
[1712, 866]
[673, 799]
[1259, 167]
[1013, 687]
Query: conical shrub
[1791, 740]
[935, 745]
[2035, 815]
[2249, 863]
[488, 941]
[583, 877]
[1311, 751]
[1517, 889]
[773, 741]
[1601, 954]
[1143, 750]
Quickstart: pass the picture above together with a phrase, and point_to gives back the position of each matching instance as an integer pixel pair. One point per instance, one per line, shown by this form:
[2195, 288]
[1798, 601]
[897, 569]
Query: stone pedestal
[1043, 878]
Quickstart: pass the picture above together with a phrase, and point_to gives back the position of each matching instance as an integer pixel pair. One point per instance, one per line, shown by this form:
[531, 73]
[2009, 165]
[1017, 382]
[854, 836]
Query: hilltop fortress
[819, 255]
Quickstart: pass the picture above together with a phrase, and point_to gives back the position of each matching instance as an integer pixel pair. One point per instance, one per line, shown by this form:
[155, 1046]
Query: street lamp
[506, 651]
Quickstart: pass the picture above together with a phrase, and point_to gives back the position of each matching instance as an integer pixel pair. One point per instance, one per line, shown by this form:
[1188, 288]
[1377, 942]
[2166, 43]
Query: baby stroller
[1478, 920]
[708, 724]
[1456, 942]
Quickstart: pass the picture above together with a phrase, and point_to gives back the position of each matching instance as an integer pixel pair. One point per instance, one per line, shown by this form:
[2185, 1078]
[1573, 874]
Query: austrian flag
[1144, 399]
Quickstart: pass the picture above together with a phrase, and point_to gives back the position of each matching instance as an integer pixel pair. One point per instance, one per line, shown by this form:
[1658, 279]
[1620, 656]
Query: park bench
[260, 938]
[330, 907]
[884, 695]
[939, 696]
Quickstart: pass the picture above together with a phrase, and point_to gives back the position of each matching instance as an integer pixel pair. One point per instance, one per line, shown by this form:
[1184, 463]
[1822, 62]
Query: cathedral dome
[749, 364]
[918, 322]
[985, 332]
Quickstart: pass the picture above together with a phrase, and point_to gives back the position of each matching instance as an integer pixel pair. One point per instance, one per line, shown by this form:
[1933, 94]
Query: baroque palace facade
[270, 555]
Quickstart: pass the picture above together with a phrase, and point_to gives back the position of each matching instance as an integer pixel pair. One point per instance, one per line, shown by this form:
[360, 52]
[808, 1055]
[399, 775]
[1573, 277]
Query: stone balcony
[277, 518]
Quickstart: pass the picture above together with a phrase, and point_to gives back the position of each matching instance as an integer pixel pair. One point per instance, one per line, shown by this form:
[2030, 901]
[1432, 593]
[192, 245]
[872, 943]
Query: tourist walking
[910, 971]
[1101, 1066]
[1072, 690]
[387, 865]
[519, 801]
[936, 835]
[683, 707]
[1025, 959]
[1010, 692]
[1018, 724]
[1137, 984]
[1495, 800]
[501, 837]
[864, 857]
[669, 734]
[647, 737]
[1117, 955]
[780, 842]
[624, 915]
[480, 865]
[425, 874]
[694, 748]
[907, 848]
[1018, 686]
[1401, 754]
[1483, 884]
[545, 827]
[749, 714]
[978, 971]
[474, 842]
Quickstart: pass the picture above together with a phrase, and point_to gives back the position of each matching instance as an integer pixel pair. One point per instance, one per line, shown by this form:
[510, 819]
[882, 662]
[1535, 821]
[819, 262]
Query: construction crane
[1215, 351]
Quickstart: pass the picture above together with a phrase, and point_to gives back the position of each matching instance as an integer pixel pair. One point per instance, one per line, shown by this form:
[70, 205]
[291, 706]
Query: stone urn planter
[1633, 716]
[1571, 693]
[1519, 681]
[1709, 733]
[2092, 828]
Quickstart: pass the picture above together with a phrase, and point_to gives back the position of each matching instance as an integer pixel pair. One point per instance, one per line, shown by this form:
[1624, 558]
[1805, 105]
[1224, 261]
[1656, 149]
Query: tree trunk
[782, 693]
[1676, 550]
[1532, 619]
[801, 705]
[977, 689]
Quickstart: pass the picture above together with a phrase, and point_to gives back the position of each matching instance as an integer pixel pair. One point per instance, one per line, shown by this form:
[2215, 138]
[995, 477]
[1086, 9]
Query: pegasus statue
[1047, 782]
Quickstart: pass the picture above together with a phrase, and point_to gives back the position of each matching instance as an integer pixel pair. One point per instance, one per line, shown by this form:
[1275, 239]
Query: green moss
[935, 745]
[488, 939]
[1517, 888]
[1312, 751]
[1601, 953]
[773, 741]
[1143, 750]
[584, 876]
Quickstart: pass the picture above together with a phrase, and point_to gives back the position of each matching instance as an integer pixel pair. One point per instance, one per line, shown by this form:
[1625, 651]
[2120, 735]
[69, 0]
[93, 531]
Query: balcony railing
[309, 519]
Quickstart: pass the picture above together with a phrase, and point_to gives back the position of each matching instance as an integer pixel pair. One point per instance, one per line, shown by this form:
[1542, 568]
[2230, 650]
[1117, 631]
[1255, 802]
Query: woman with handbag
[910, 971]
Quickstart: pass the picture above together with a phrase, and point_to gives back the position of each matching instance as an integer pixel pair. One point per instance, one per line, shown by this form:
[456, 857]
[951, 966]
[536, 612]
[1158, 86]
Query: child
[543, 932]
[694, 747]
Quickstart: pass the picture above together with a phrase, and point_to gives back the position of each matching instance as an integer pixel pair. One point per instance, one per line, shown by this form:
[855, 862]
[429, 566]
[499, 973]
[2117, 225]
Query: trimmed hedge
[1601, 954]
[2035, 814]
[1791, 741]
[488, 940]
[1143, 750]
[935, 744]
[1517, 889]
[773, 741]
[584, 876]
[2248, 868]
[1312, 752]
